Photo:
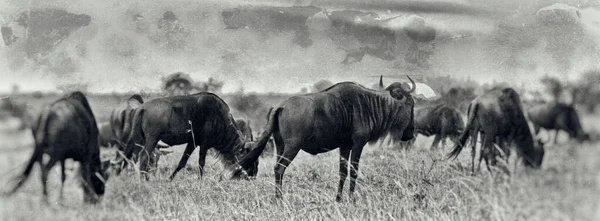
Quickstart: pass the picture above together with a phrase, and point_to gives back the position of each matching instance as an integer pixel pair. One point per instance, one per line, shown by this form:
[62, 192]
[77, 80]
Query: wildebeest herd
[345, 116]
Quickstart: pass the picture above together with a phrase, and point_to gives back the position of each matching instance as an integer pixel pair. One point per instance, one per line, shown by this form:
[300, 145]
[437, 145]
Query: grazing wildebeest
[245, 129]
[201, 119]
[344, 116]
[120, 116]
[67, 129]
[557, 116]
[498, 116]
[440, 120]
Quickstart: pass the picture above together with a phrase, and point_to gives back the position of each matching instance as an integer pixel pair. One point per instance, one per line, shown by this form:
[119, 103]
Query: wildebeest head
[98, 179]
[538, 155]
[404, 124]
[252, 170]
[532, 150]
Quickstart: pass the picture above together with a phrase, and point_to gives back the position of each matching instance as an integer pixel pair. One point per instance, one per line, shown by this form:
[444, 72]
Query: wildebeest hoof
[338, 198]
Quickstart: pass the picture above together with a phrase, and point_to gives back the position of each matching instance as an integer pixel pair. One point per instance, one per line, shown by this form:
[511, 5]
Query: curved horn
[413, 85]
[381, 82]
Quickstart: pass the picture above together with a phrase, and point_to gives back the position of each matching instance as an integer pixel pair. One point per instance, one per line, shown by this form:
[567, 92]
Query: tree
[177, 83]
[321, 85]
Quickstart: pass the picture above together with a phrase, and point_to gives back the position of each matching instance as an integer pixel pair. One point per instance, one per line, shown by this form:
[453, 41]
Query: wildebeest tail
[39, 136]
[272, 123]
[134, 126]
[472, 113]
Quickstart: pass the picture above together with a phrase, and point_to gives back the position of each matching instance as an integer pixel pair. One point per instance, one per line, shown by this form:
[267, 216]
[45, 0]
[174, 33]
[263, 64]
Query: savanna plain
[393, 184]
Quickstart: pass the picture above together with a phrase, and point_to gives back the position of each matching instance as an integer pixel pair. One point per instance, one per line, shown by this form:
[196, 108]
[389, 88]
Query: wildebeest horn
[413, 85]
[381, 82]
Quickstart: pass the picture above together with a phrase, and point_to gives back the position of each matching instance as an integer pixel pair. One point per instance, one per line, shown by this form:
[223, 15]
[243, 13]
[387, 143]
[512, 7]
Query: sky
[109, 55]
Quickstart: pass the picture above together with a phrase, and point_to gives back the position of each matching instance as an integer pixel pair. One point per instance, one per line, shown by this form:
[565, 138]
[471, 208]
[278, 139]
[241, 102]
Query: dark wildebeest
[498, 116]
[201, 119]
[440, 120]
[557, 116]
[119, 117]
[123, 113]
[344, 116]
[245, 129]
[67, 129]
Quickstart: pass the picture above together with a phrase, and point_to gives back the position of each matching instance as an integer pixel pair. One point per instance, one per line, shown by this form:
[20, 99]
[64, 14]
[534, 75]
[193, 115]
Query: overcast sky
[116, 58]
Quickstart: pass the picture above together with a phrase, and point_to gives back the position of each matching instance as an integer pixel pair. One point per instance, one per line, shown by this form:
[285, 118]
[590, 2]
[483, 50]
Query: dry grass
[393, 185]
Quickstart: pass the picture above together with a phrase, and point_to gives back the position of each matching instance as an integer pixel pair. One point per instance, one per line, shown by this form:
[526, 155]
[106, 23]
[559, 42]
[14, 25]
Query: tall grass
[393, 185]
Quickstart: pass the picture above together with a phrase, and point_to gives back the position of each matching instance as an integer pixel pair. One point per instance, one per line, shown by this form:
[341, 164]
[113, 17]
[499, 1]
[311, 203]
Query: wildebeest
[244, 128]
[557, 116]
[201, 119]
[106, 138]
[67, 129]
[498, 116]
[122, 114]
[344, 116]
[441, 120]
[119, 117]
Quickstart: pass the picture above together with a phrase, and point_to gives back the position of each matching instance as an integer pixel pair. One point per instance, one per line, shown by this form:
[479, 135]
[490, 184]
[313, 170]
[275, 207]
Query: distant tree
[211, 85]
[177, 83]
[321, 85]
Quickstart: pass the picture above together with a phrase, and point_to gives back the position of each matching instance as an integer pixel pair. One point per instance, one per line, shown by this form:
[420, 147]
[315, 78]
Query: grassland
[418, 184]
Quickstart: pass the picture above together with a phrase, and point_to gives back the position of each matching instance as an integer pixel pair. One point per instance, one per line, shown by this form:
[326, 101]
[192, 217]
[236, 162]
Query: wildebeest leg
[354, 162]
[444, 142]
[201, 160]
[556, 136]
[128, 156]
[63, 177]
[482, 152]
[189, 149]
[474, 136]
[344, 155]
[144, 155]
[283, 161]
[436, 141]
[515, 166]
[45, 170]
[489, 152]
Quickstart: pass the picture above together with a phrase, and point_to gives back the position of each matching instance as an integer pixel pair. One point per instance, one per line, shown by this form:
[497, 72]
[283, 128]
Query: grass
[418, 184]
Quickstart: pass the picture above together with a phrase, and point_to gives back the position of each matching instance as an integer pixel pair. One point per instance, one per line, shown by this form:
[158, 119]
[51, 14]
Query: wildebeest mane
[83, 100]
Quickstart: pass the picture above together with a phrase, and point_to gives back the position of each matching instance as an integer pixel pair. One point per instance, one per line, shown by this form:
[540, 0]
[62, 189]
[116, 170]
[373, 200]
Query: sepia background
[255, 54]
